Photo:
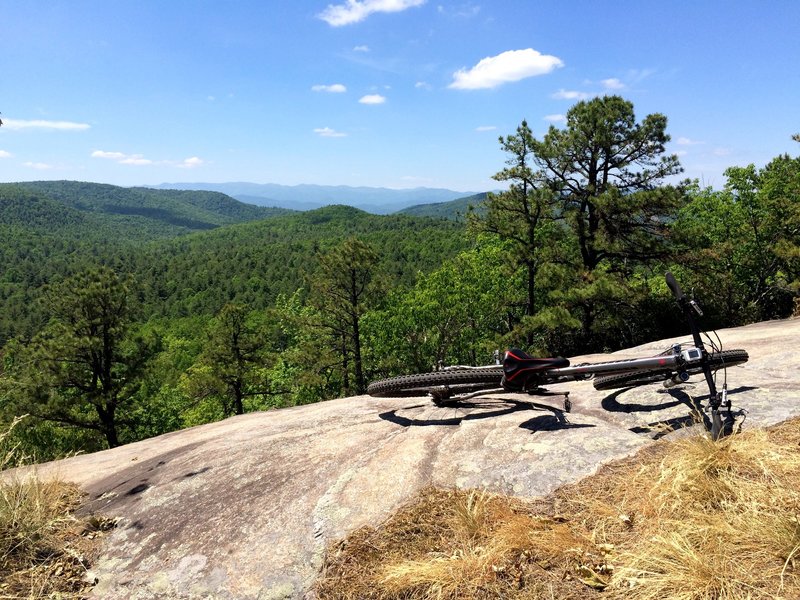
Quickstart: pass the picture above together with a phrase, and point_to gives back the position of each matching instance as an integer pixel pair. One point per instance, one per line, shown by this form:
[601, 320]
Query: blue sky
[388, 93]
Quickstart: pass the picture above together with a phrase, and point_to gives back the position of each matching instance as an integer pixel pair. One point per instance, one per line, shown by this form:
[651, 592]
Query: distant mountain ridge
[375, 200]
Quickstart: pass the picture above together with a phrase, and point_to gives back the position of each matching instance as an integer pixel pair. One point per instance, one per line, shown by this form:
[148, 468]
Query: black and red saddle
[520, 370]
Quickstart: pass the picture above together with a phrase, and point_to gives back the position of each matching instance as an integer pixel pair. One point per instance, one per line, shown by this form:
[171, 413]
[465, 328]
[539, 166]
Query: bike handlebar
[674, 287]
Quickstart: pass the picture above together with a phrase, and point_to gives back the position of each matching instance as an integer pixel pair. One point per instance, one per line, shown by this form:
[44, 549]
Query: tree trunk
[531, 308]
[108, 425]
[238, 395]
[360, 383]
[345, 364]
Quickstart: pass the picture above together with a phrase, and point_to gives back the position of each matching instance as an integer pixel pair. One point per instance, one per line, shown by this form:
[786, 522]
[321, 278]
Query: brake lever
[696, 307]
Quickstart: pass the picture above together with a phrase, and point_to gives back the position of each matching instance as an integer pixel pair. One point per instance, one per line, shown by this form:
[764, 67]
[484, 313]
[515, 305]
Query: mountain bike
[521, 373]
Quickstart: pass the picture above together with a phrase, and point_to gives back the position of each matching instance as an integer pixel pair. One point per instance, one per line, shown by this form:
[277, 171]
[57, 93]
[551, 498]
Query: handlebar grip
[674, 287]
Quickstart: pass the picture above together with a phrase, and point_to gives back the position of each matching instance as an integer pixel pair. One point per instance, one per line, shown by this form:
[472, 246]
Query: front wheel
[716, 360]
[459, 381]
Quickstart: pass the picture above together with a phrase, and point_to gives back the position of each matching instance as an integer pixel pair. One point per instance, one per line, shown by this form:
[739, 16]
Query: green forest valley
[130, 312]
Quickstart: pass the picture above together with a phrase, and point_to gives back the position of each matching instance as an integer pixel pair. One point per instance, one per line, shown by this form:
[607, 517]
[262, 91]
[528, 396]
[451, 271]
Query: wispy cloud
[19, 124]
[423, 85]
[328, 132]
[685, 141]
[140, 161]
[361, 49]
[336, 88]
[39, 166]
[613, 84]
[506, 67]
[571, 95]
[354, 11]
[555, 118]
[639, 75]
[486, 128]
[122, 158]
[465, 11]
[372, 99]
[4, 154]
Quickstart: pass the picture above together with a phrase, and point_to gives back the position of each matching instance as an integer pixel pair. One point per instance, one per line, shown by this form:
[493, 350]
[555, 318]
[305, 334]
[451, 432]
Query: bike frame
[634, 364]
[582, 371]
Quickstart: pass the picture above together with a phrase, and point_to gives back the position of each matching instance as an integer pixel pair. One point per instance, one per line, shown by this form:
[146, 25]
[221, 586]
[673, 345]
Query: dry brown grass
[691, 519]
[45, 549]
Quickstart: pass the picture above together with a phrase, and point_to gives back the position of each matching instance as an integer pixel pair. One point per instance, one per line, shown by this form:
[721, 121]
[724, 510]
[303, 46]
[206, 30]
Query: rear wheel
[717, 360]
[460, 381]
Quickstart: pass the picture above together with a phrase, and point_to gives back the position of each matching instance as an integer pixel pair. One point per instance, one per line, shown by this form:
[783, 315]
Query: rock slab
[244, 508]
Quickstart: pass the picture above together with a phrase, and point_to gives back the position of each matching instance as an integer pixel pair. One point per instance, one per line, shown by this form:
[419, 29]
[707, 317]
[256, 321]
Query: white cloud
[556, 118]
[139, 160]
[354, 11]
[372, 99]
[38, 166]
[191, 163]
[18, 124]
[4, 154]
[423, 85]
[336, 88]
[571, 95]
[110, 155]
[361, 49]
[722, 152]
[512, 65]
[685, 141]
[485, 128]
[122, 158]
[613, 84]
[328, 132]
[136, 159]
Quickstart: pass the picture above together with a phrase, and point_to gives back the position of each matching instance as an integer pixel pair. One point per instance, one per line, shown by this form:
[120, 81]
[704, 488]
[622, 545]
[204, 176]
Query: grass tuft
[692, 519]
[45, 549]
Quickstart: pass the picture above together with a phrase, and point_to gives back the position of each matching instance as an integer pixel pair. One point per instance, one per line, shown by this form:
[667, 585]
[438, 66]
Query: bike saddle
[519, 367]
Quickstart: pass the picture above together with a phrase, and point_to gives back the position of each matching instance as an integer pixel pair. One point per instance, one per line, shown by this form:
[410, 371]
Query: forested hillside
[51, 230]
[256, 262]
[455, 210]
[126, 313]
[148, 211]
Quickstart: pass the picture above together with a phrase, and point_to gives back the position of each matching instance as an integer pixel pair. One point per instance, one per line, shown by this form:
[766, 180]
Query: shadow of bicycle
[660, 428]
[483, 409]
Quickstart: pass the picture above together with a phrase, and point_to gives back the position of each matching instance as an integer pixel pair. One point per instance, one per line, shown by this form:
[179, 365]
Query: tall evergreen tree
[523, 214]
[608, 172]
[341, 290]
[85, 367]
[230, 365]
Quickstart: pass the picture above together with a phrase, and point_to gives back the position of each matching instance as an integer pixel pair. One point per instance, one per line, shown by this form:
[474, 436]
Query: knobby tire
[459, 381]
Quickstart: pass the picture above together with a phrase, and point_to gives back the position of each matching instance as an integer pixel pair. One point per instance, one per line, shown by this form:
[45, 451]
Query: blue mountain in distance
[380, 201]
